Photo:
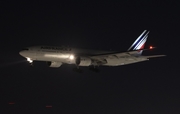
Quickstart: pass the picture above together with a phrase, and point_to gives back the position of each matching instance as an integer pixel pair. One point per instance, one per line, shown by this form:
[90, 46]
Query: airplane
[57, 56]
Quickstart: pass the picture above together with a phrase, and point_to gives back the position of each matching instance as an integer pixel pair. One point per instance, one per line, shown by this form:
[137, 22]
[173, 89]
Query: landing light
[71, 57]
[29, 60]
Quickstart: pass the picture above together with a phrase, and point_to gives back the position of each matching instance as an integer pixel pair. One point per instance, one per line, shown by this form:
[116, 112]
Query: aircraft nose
[23, 53]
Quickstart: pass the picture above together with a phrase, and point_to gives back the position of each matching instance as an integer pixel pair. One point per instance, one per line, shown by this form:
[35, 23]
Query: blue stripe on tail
[139, 42]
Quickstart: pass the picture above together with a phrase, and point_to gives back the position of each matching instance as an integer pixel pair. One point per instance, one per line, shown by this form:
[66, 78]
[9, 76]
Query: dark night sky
[150, 87]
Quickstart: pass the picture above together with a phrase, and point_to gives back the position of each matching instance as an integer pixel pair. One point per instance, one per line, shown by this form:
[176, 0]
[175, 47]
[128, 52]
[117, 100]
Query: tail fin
[139, 42]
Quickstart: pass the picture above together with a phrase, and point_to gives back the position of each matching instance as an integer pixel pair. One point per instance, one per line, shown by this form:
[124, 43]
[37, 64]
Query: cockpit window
[25, 49]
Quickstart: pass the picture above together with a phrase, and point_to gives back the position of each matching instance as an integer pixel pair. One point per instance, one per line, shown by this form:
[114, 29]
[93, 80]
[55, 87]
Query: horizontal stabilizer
[154, 56]
[136, 51]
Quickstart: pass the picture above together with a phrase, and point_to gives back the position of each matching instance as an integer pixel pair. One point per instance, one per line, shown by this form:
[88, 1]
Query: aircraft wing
[118, 54]
[101, 59]
[154, 56]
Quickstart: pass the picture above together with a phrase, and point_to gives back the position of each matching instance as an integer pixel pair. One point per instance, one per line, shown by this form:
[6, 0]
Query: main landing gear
[91, 68]
[77, 69]
[94, 69]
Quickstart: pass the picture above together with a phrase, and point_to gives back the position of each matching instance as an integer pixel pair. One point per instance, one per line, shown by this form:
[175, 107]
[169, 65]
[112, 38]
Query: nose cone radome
[23, 53]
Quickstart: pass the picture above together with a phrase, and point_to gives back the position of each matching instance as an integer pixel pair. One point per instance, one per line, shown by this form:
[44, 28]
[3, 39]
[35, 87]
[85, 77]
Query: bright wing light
[71, 57]
[29, 60]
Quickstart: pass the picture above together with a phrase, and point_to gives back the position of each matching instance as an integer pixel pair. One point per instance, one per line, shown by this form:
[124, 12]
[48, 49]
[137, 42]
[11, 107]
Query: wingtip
[154, 56]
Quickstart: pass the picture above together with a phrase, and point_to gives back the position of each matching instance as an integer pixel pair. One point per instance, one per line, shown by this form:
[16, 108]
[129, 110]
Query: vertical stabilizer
[139, 43]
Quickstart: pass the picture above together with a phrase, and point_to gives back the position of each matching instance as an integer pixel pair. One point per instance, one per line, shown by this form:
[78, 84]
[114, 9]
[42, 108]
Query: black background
[150, 87]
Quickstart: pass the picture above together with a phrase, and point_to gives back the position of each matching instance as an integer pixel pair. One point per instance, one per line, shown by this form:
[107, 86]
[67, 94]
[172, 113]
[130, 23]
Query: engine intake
[54, 64]
[83, 61]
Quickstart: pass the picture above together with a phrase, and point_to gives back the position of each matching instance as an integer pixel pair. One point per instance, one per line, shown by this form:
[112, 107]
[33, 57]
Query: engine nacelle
[83, 61]
[54, 64]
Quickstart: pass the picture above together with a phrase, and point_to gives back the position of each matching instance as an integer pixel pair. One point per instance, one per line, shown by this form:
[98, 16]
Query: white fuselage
[67, 55]
[56, 56]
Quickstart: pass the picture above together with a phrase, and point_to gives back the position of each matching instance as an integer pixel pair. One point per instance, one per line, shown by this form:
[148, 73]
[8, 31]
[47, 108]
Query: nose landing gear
[30, 61]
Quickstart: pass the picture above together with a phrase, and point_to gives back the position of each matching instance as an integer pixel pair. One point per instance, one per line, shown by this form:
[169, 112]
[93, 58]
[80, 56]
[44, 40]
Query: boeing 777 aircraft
[56, 56]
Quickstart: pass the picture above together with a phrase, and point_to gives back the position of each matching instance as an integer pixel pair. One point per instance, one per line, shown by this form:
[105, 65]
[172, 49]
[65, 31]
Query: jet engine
[54, 64]
[83, 61]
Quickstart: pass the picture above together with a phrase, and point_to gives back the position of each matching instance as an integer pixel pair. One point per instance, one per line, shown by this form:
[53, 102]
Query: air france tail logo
[140, 41]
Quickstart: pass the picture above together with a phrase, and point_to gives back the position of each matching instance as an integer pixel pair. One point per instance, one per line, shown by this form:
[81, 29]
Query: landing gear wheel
[94, 69]
[31, 64]
[78, 70]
